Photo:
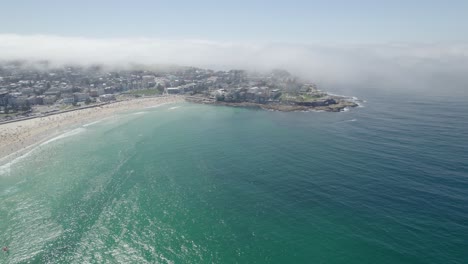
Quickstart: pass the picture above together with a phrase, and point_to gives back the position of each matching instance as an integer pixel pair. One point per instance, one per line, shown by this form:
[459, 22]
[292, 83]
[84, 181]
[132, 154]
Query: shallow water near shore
[188, 183]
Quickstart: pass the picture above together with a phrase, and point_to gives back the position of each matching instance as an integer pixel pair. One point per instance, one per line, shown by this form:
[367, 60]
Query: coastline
[18, 136]
[340, 104]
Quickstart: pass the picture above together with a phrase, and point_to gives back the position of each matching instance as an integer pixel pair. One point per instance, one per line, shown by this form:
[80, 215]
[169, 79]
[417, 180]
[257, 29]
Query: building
[49, 99]
[19, 100]
[4, 97]
[148, 81]
[68, 99]
[107, 98]
[52, 92]
[32, 100]
[81, 97]
[27, 91]
[173, 90]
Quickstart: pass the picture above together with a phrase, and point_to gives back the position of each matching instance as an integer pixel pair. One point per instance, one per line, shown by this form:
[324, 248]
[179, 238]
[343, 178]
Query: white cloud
[392, 65]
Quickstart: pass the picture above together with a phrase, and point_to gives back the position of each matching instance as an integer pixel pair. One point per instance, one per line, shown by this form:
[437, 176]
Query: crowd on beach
[19, 135]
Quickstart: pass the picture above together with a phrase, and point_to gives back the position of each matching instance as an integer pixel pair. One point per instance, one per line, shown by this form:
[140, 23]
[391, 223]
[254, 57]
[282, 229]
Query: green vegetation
[66, 107]
[309, 97]
[287, 97]
[300, 97]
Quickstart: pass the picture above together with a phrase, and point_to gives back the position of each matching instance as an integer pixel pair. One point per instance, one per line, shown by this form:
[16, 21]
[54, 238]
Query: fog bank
[399, 66]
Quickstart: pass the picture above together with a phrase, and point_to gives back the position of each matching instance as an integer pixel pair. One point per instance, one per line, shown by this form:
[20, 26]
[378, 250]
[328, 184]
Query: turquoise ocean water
[188, 183]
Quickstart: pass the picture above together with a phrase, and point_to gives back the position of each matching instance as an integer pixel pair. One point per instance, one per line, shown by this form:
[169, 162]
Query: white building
[81, 97]
[107, 97]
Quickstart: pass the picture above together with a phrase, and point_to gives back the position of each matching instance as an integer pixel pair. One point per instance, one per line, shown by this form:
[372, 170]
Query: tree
[26, 107]
[160, 88]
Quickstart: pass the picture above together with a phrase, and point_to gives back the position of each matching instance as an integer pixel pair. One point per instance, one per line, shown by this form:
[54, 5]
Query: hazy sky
[302, 21]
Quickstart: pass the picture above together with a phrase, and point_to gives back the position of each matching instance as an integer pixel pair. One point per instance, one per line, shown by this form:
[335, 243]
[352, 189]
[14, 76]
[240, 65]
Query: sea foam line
[155, 106]
[64, 135]
[92, 123]
[5, 168]
[345, 121]
[346, 109]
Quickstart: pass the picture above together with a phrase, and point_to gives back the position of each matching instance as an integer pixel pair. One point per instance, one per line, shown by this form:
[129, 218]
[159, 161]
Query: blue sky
[332, 21]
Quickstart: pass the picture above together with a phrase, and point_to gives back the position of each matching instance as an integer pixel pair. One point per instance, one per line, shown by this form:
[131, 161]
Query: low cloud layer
[439, 67]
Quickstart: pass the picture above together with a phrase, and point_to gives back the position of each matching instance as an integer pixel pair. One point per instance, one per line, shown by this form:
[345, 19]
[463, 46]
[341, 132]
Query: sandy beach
[18, 136]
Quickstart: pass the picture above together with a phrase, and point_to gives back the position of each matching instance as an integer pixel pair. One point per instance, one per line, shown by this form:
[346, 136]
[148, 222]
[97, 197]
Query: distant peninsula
[277, 90]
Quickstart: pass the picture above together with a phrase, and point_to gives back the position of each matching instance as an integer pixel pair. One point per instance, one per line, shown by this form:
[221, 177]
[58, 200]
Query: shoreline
[341, 104]
[18, 136]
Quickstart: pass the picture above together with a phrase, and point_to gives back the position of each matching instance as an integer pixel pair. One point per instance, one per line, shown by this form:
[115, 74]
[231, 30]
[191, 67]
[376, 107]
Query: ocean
[186, 183]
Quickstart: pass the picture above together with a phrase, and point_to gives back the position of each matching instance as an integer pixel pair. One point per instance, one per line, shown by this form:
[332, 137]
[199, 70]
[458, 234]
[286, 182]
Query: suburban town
[28, 91]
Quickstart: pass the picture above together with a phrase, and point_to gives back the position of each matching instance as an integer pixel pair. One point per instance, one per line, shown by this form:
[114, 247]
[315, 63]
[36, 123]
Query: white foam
[6, 168]
[64, 135]
[174, 107]
[345, 121]
[139, 113]
[154, 106]
[353, 99]
[358, 102]
[92, 123]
